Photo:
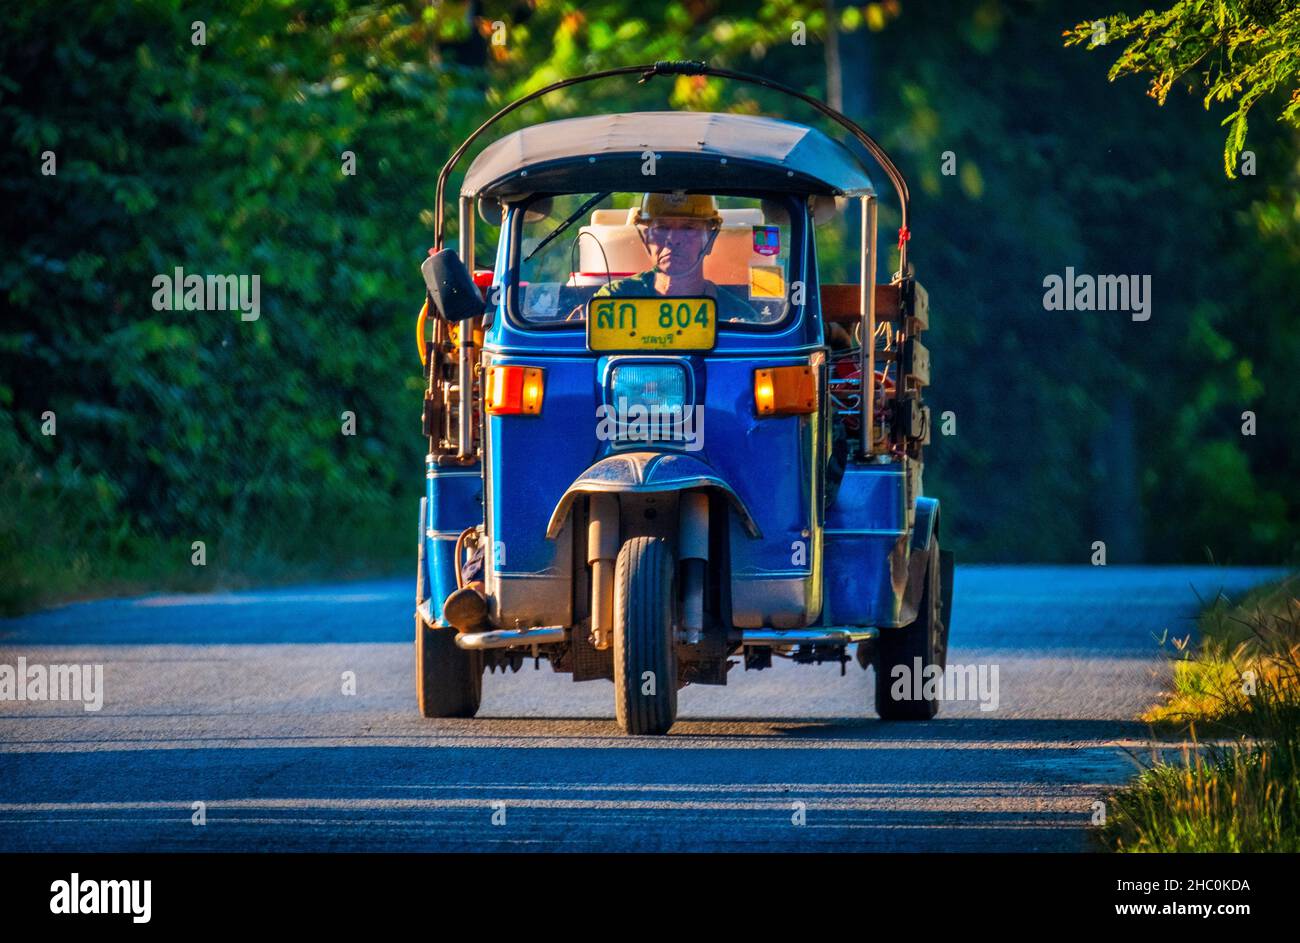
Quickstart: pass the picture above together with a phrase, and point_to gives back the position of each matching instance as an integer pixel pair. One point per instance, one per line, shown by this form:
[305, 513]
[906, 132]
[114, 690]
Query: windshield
[578, 246]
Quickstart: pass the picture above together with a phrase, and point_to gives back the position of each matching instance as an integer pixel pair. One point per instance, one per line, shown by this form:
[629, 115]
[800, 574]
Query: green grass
[53, 575]
[61, 543]
[1256, 637]
[1242, 685]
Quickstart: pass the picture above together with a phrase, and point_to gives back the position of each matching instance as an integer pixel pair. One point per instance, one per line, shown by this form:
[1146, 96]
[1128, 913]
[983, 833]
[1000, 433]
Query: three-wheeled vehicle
[659, 445]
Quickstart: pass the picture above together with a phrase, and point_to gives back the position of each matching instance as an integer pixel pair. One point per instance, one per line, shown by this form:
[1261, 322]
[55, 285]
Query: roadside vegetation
[63, 539]
[1240, 688]
[298, 143]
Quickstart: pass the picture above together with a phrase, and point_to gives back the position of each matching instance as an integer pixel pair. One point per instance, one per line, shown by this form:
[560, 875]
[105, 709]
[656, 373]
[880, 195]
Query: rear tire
[645, 654]
[448, 679]
[925, 639]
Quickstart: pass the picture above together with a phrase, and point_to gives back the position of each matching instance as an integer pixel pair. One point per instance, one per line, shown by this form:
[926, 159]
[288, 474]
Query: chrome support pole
[867, 302]
[693, 550]
[465, 363]
[602, 554]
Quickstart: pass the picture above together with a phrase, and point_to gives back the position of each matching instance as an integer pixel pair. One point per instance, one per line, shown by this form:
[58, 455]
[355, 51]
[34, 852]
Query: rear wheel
[448, 679]
[645, 657]
[923, 643]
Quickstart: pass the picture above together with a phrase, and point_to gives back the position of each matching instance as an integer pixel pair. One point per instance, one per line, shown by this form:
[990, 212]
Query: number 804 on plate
[640, 325]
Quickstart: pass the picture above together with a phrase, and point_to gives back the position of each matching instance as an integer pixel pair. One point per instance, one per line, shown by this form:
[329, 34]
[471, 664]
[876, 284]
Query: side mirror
[775, 213]
[451, 286]
[826, 208]
[490, 210]
[539, 210]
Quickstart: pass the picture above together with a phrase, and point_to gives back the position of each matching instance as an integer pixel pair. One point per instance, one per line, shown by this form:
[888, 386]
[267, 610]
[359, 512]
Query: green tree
[1237, 50]
[227, 157]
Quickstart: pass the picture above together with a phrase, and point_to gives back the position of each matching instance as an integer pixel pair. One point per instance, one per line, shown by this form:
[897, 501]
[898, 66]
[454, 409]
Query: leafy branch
[1239, 50]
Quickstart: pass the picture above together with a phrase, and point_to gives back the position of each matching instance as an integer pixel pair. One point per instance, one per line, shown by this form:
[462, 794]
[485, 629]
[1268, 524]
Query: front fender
[648, 473]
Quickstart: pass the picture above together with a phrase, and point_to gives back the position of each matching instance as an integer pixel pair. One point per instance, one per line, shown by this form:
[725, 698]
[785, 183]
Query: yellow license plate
[643, 325]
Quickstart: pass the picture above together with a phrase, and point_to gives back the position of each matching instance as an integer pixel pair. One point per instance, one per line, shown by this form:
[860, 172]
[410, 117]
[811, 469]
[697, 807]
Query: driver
[678, 231]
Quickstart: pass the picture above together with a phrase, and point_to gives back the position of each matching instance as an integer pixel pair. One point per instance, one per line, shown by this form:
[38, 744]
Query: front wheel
[645, 656]
[900, 694]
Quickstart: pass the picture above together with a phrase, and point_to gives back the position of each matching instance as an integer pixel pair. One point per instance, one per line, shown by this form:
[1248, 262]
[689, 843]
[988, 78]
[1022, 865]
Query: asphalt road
[237, 701]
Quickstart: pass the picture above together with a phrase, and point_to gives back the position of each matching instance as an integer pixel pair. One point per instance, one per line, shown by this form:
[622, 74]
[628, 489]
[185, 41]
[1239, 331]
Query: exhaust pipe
[508, 638]
[826, 636]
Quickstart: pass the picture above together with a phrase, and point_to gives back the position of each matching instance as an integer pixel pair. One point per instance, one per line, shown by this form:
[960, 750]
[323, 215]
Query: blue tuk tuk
[659, 445]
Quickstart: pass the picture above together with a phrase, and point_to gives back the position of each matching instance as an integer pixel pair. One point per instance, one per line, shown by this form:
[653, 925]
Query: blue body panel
[863, 528]
[532, 460]
[455, 502]
[844, 567]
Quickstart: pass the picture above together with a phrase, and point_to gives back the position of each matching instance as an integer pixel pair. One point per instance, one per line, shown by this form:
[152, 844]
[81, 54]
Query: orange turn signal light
[785, 391]
[514, 391]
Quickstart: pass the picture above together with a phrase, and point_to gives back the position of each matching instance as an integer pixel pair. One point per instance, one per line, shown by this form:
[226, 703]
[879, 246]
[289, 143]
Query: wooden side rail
[840, 303]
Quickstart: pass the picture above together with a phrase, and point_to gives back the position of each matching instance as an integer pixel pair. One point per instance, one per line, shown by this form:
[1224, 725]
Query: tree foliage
[180, 426]
[1239, 51]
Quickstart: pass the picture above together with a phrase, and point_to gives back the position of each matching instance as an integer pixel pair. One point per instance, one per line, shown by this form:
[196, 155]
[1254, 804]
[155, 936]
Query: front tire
[448, 679]
[645, 655]
[925, 639]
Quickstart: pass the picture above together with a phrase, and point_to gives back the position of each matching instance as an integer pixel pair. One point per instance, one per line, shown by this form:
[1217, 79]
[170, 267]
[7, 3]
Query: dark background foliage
[180, 426]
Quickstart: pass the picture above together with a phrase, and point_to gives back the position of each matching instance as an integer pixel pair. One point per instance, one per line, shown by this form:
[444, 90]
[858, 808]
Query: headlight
[657, 385]
[647, 403]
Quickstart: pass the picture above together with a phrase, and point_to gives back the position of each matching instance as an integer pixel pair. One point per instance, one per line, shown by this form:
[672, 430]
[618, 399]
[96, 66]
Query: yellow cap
[701, 206]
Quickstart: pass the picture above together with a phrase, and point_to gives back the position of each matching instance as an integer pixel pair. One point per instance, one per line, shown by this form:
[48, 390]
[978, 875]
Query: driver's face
[676, 246]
